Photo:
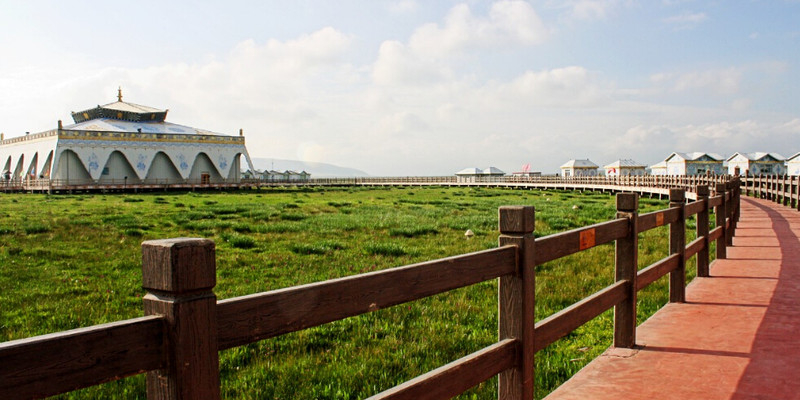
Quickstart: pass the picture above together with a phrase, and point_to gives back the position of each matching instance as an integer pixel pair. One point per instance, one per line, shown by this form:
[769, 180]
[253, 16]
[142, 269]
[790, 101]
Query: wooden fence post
[730, 211]
[702, 231]
[517, 301]
[626, 268]
[720, 214]
[677, 245]
[179, 276]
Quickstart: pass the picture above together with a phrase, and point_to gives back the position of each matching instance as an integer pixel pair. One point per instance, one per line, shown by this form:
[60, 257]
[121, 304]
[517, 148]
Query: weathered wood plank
[259, 316]
[179, 276]
[567, 320]
[715, 234]
[626, 260]
[656, 218]
[60, 362]
[516, 300]
[562, 244]
[694, 247]
[456, 377]
[656, 270]
[694, 208]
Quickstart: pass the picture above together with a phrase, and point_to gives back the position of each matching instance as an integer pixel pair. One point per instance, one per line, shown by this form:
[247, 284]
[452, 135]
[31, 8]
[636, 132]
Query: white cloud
[403, 6]
[433, 48]
[509, 23]
[686, 20]
[561, 87]
[583, 10]
[720, 81]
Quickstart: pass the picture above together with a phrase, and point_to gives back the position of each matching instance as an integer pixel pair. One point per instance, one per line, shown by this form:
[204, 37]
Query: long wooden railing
[178, 341]
[782, 189]
[658, 185]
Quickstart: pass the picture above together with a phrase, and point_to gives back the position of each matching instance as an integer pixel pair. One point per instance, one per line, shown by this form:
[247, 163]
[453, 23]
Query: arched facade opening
[234, 175]
[47, 167]
[32, 168]
[203, 171]
[70, 169]
[17, 174]
[6, 174]
[162, 170]
[118, 170]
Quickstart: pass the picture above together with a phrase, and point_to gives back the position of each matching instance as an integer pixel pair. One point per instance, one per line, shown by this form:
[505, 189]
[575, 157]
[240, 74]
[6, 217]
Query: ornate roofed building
[123, 143]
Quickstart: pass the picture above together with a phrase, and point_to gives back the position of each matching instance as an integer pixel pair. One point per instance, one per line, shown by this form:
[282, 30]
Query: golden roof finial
[119, 94]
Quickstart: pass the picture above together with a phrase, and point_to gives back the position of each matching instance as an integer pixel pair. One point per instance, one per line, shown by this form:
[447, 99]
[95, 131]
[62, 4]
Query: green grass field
[72, 261]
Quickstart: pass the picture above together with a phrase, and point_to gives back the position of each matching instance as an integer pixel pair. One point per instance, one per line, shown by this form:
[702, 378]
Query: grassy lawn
[71, 261]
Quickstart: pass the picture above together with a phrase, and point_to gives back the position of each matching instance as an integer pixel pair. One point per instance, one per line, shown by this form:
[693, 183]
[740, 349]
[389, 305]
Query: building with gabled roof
[758, 163]
[624, 167]
[696, 163]
[579, 167]
[793, 165]
[659, 168]
[123, 142]
[476, 174]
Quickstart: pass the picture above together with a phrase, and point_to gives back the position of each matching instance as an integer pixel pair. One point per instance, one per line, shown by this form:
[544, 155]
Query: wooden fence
[782, 189]
[178, 341]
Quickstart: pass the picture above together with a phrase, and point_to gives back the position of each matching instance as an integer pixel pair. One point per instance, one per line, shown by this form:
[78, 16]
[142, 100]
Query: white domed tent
[121, 143]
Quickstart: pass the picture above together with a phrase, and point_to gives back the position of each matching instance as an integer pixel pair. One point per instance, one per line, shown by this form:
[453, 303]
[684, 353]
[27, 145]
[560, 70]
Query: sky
[406, 87]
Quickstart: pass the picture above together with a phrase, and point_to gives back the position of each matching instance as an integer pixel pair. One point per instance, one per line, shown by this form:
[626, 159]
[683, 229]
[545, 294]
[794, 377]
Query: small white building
[579, 167]
[659, 169]
[793, 165]
[295, 176]
[624, 167]
[756, 164]
[477, 174]
[696, 163]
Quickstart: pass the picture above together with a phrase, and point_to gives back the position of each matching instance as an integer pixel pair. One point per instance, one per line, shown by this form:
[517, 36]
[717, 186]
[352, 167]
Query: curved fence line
[178, 341]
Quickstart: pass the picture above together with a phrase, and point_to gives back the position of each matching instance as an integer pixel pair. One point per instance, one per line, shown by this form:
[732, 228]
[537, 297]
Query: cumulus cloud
[403, 6]
[686, 20]
[722, 81]
[433, 48]
[572, 86]
[508, 23]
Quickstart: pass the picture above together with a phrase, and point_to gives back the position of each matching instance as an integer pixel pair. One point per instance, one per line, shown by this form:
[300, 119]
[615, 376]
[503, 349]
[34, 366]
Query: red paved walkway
[736, 337]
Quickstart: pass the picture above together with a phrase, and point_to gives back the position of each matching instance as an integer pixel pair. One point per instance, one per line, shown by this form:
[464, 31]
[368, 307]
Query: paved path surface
[736, 337]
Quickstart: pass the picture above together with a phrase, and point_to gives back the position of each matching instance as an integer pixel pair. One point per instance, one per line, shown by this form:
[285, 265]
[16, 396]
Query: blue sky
[422, 88]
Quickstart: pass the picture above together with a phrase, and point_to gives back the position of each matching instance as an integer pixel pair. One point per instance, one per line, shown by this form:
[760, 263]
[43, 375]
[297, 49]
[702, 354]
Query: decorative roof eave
[103, 112]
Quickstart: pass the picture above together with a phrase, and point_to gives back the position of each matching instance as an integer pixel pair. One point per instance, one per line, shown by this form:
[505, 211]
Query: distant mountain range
[317, 170]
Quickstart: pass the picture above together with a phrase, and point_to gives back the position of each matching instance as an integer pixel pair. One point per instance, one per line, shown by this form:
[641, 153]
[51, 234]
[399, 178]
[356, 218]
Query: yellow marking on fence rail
[587, 239]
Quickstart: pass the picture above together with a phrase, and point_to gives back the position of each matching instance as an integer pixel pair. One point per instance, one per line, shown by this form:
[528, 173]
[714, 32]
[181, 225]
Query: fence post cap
[178, 265]
[627, 202]
[517, 219]
[720, 187]
[677, 195]
[702, 190]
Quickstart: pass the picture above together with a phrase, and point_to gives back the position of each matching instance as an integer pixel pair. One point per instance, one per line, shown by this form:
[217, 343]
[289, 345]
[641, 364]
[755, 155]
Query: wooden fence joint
[720, 215]
[677, 245]
[179, 275]
[516, 301]
[702, 258]
[626, 269]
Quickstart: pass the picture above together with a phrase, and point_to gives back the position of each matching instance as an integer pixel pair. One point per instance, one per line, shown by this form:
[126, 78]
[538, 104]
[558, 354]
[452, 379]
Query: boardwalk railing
[782, 189]
[178, 341]
[658, 185]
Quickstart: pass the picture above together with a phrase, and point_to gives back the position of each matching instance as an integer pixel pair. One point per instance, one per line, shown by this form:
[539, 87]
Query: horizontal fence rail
[177, 343]
[649, 184]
